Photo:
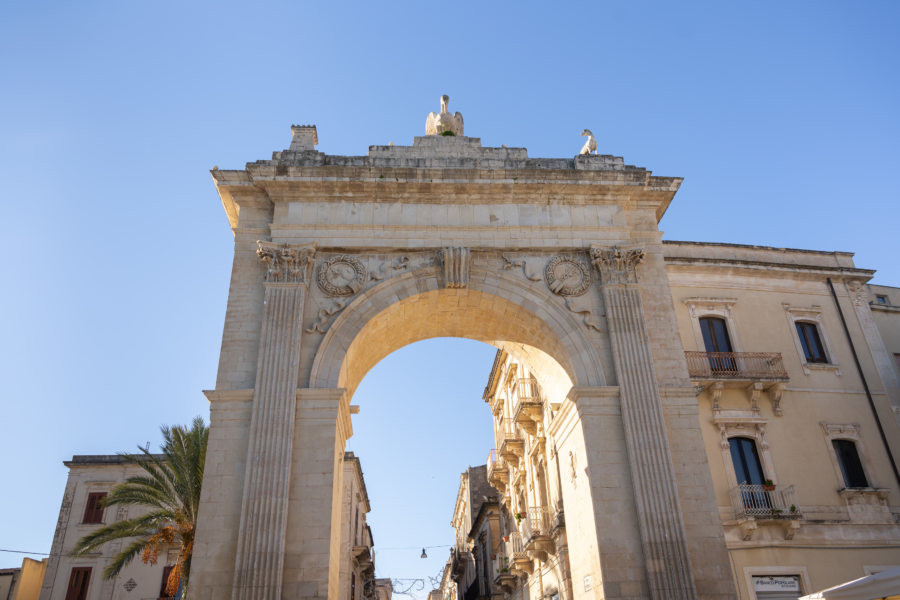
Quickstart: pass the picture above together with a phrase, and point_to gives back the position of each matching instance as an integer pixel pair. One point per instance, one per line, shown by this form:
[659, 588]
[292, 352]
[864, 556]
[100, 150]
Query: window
[93, 510]
[715, 334]
[813, 350]
[881, 299]
[78, 583]
[747, 468]
[715, 339]
[851, 465]
[167, 571]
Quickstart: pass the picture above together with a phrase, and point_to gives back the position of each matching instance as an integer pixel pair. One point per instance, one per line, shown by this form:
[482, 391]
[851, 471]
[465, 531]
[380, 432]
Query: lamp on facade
[423, 554]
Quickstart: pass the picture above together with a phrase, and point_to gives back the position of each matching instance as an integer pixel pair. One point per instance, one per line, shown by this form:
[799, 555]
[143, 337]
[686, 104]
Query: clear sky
[115, 252]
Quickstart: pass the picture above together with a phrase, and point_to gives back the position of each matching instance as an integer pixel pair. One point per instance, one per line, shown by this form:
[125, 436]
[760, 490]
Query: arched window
[851, 465]
[813, 350]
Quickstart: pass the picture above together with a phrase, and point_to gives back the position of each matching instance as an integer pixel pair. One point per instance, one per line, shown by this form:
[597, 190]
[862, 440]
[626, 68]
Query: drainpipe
[862, 377]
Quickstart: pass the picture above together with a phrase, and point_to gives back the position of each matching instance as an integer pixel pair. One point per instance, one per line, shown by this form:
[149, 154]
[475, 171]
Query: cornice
[731, 264]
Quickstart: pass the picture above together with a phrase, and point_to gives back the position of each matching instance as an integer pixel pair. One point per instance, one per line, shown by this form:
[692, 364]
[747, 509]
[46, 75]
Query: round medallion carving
[341, 276]
[567, 276]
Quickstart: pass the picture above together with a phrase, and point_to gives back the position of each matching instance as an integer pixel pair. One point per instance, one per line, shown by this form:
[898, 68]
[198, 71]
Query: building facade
[794, 376]
[559, 262]
[64, 577]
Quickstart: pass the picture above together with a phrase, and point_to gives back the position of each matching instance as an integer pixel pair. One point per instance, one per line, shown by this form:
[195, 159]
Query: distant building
[476, 520]
[80, 578]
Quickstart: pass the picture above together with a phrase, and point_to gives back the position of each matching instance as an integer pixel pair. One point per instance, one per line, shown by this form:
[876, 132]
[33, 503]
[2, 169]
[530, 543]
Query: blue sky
[115, 252]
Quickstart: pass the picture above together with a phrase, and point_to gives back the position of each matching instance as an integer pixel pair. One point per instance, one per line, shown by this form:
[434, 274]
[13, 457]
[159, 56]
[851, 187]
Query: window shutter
[78, 583]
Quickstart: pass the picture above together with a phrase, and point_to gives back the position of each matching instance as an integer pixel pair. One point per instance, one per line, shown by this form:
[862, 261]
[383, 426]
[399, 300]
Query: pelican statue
[590, 146]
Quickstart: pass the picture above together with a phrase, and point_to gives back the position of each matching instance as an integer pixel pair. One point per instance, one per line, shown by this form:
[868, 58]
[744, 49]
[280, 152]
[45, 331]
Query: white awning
[873, 587]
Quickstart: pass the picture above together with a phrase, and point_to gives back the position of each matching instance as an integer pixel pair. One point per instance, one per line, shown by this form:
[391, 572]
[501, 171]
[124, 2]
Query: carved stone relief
[588, 319]
[341, 275]
[858, 292]
[616, 265]
[336, 306]
[567, 276]
[285, 263]
[509, 263]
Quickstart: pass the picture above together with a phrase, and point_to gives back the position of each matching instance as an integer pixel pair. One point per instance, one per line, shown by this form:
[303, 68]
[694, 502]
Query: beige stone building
[80, 578]
[476, 518]
[23, 583]
[802, 477]
[641, 368]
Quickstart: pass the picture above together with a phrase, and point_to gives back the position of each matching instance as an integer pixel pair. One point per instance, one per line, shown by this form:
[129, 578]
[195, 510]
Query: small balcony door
[716, 340]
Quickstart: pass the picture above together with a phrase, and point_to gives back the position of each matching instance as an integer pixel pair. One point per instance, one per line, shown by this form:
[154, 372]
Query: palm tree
[170, 491]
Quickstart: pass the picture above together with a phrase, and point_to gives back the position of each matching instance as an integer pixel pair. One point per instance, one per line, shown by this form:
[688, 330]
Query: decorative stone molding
[285, 263]
[456, 266]
[858, 292]
[748, 527]
[567, 276]
[616, 265]
[712, 307]
[811, 314]
[775, 394]
[341, 275]
[509, 263]
[847, 431]
[716, 390]
[588, 319]
[326, 313]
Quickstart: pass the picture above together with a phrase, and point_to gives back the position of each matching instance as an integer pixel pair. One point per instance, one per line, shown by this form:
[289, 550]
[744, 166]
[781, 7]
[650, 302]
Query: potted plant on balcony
[518, 517]
[768, 485]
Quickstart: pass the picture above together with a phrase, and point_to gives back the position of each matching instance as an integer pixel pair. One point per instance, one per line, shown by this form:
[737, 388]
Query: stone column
[264, 507]
[660, 520]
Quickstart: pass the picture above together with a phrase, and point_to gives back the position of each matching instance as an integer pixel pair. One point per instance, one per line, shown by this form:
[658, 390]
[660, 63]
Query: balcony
[519, 561]
[497, 474]
[741, 366]
[503, 576]
[527, 412]
[757, 502]
[510, 445]
[536, 522]
[459, 560]
[755, 371]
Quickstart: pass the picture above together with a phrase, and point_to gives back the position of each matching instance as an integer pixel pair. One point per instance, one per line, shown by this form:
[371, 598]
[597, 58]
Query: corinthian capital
[285, 263]
[616, 265]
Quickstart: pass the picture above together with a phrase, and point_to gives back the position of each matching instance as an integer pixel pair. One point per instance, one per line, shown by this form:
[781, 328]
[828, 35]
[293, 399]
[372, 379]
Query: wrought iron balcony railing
[736, 365]
[764, 502]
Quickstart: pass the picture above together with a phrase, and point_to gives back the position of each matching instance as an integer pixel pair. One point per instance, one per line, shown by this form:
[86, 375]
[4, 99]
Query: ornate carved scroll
[325, 313]
[285, 263]
[456, 267]
[616, 265]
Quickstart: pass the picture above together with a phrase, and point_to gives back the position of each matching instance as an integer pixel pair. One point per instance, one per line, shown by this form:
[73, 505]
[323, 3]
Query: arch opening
[526, 323]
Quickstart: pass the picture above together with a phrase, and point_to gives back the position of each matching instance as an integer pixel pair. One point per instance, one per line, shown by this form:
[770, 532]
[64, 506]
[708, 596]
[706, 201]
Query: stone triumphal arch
[339, 260]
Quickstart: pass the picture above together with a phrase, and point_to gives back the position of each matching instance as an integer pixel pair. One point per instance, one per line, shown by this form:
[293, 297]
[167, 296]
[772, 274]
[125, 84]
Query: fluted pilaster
[261, 537]
[663, 538]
